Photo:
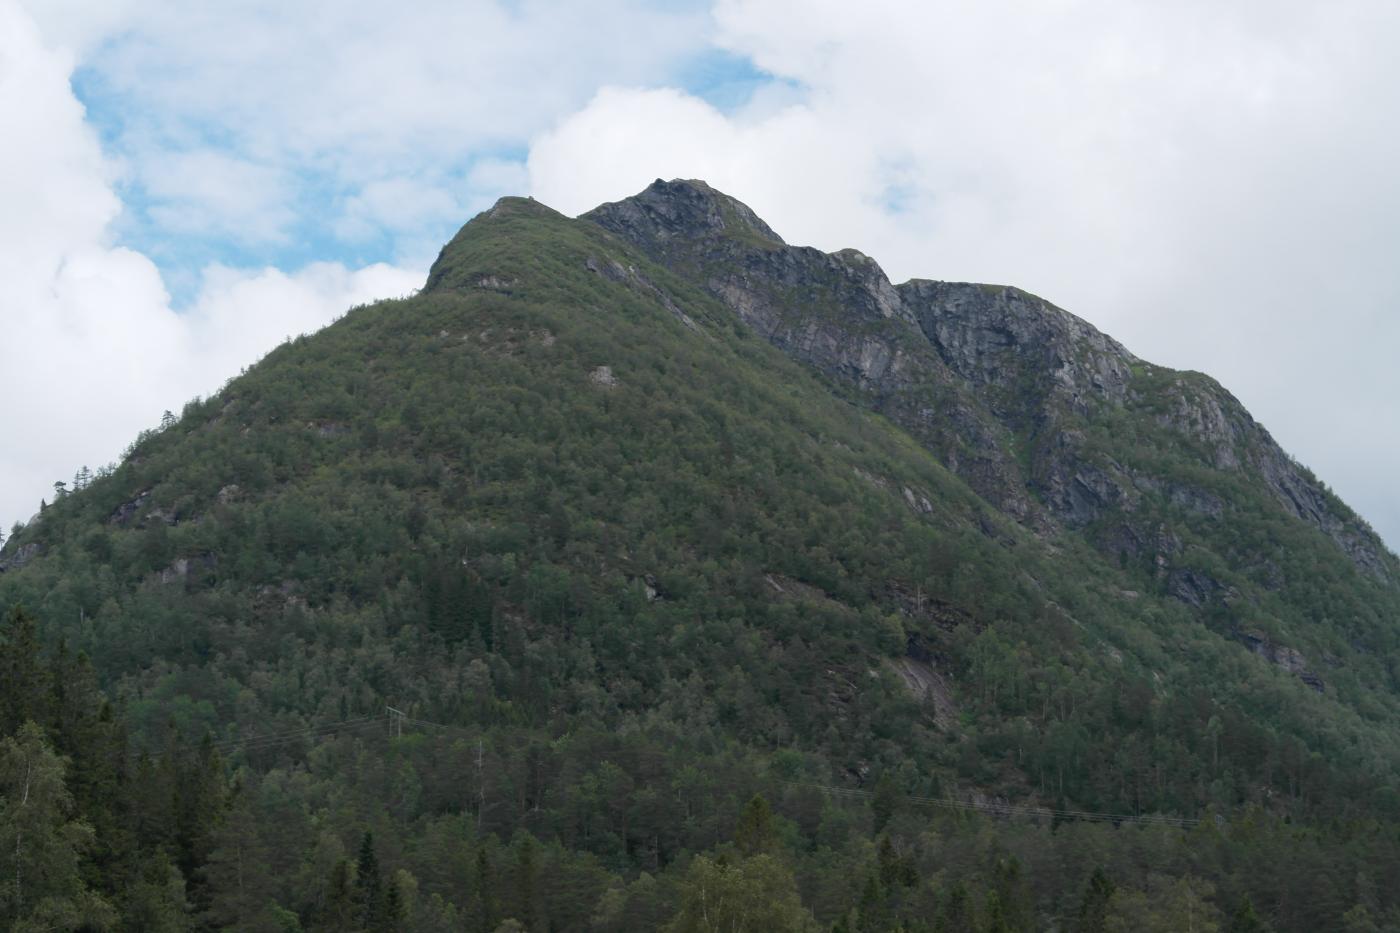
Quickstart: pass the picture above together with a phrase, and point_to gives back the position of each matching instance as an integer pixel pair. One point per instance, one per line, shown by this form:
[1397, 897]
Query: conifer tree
[391, 913]
[1093, 907]
[368, 884]
[21, 676]
[955, 911]
[85, 731]
[1246, 920]
[238, 883]
[885, 802]
[484, 894]
[755, 833]
[339, 908]
[526, 881]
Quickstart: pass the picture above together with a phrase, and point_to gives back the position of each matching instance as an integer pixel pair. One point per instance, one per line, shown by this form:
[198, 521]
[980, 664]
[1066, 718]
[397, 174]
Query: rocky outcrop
[138, 505]
[23, 554]
[181, 568]
[1284, 657]
[124, 513]
[836, 312]
[688, 210]
[628, 275]
[1019, 348]
[928, 686]
[1192, 587]
[603, 376]
[1017, 396]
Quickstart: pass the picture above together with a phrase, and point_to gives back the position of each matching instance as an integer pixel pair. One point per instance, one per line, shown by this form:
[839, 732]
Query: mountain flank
[1028, 380]
[644, 571]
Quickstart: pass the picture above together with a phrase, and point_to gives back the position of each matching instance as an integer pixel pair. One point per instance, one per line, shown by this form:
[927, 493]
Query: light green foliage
[40, 845]
[745, 896]
[1179, 905]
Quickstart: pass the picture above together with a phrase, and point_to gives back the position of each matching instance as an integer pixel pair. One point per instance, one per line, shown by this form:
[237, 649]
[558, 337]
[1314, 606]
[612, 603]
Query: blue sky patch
[313, 197]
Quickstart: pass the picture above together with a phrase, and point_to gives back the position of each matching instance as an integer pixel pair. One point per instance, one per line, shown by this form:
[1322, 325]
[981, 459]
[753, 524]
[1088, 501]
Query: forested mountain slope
[668, 538]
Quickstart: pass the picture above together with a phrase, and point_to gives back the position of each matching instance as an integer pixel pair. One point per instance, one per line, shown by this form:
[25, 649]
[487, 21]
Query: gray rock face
[629, 276]
[125, 512]
[22, 555]
[1004, 339]
[1018, 397]
[1284, 657]
[180, 569]
[685, 209]
[1192, 587]
[603, 376]
[837, 312]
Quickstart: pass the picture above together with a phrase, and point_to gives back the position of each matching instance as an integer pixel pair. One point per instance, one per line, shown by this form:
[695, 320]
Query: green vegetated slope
[652, 594]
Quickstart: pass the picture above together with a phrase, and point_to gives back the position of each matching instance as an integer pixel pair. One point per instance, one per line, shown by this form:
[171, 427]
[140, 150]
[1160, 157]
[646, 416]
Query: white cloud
[1213, 184]
[92, 350]
[348, 91]
[212, 193]
[239, 316]
[399, 205]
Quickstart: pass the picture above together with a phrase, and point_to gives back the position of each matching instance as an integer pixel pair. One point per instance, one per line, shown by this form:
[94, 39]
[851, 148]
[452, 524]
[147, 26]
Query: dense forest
[557, 598]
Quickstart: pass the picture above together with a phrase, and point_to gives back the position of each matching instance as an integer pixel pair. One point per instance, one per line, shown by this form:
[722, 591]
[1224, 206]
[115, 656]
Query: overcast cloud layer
[1211, 183]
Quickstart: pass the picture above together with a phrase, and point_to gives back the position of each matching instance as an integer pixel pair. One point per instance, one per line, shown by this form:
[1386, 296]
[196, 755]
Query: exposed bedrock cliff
[1047, 418]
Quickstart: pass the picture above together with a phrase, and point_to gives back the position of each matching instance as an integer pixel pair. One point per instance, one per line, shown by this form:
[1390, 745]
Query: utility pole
[480, 783]
[396, 718]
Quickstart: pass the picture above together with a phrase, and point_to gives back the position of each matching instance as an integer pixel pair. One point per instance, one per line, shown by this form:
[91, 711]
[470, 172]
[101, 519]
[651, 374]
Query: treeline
[485, 826]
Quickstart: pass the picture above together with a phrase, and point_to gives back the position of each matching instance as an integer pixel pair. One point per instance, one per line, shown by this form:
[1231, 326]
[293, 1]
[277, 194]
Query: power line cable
[395, 720]
[1008, 809]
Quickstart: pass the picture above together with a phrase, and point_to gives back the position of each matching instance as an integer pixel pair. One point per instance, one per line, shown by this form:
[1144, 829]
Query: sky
[183, 186]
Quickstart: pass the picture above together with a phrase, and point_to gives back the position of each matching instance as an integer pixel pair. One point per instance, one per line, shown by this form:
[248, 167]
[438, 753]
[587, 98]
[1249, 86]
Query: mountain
[644, 570]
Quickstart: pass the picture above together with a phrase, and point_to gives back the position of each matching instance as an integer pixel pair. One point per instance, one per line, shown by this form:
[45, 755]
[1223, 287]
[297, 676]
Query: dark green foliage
[955, 912]
[21, 679]
[886, 801]
[369, 892]
[636, 629]
[755, 833]
[1245, 920]
[1093, 907]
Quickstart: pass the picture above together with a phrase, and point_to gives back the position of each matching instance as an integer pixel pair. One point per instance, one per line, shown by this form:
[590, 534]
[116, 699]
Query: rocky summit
[644, 571]
[1007, 390]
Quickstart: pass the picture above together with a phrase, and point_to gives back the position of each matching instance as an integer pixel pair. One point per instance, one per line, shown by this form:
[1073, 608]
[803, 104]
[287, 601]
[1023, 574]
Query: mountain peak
[678, 515]
[684, 209]
[449, 272]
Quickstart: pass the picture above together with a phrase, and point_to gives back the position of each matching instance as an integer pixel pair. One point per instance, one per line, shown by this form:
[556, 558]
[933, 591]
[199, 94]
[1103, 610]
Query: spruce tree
[1246, 920]
[756, 834]
[238, 884]
[21, 675]
[885, 802]
[368, 884]
[1093, 907]
[526, 881]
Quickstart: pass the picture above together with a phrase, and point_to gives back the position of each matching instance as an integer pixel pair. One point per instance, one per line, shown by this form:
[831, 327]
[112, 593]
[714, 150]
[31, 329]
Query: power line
[396, 719]
[1008, 809]
[294, 733]
[273, 739]
[997, 809]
